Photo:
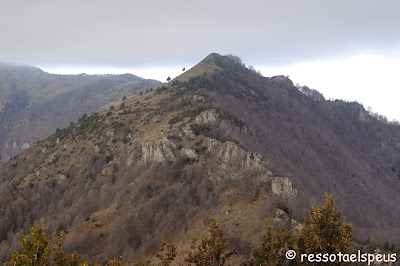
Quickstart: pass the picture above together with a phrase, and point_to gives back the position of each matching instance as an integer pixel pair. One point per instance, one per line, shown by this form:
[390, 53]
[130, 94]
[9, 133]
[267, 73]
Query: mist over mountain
[218, 142]
[34, 103]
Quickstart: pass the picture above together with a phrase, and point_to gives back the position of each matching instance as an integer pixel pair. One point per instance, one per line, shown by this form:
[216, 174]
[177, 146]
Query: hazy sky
[344, 48]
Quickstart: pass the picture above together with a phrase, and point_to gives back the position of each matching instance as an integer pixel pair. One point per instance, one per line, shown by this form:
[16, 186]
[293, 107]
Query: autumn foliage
[167, 253]
[36, 249]
[273, 247]
[212, 250]
[324, 231]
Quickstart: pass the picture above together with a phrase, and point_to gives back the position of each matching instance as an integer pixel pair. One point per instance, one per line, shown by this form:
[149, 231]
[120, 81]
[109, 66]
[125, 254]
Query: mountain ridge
[30, 97]
[229, 145]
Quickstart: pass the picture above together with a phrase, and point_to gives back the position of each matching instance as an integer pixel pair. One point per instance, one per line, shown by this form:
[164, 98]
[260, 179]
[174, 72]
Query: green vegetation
[127, 131]
[108, 158]
[61, 227]
[226, 81]
[208, 131]
[175, 120]
[87, 123]
[61, 133]
[190, 112]
[161, 89]
[391, 247]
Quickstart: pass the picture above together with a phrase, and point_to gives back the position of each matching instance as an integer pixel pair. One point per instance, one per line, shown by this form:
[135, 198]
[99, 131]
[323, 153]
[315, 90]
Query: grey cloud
[135, 33]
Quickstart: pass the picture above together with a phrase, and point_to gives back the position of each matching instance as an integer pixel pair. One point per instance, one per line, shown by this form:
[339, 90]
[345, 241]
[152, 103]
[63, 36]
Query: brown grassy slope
[207, 65]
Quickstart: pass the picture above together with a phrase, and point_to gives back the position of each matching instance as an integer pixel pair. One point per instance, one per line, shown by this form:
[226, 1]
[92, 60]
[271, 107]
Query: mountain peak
[10, 67]
[209, 65]
[212, 57]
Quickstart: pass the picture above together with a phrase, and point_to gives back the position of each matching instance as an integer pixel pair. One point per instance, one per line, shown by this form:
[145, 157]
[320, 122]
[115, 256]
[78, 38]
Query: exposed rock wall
[282, 186]
[207, 117]
[230, 152]
[189, 153]
[221, 157]
[186, 132]
[159, 151]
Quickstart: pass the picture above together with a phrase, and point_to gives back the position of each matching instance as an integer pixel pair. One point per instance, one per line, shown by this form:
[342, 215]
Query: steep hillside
[321, 145]
[34, 103]
[223, 145]
[150, 168]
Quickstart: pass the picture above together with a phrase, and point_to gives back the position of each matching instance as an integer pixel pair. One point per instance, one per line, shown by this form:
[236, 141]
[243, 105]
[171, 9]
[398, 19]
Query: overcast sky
[346, 49]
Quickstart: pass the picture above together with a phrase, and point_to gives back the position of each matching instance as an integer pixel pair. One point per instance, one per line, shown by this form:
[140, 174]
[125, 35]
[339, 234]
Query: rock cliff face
[192, 98]
[186, 132]
[207, 117]
[189, 153]
[159, 151]
[228, 159]
[282, 186]
[231, 153]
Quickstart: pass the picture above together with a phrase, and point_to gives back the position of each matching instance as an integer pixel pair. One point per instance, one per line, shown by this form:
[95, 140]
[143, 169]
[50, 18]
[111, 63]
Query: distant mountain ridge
[34, 103]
